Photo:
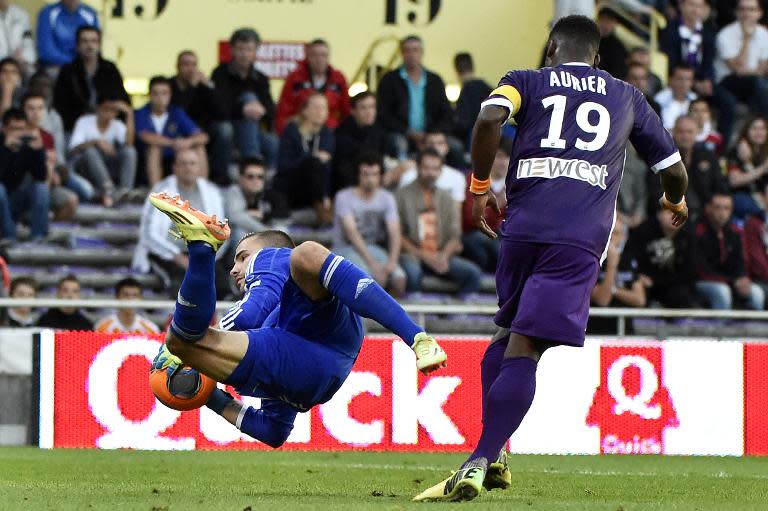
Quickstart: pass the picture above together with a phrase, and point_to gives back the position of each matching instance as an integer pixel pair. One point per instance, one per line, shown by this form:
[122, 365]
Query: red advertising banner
[756, 399]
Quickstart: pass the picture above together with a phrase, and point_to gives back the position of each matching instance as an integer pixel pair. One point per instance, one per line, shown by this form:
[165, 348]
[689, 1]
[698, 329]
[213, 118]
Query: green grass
[32, 479]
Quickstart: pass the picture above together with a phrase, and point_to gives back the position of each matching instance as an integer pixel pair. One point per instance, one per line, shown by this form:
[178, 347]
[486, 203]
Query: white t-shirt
[450, 179]
[729, 41]
[86, 130]
[671, 108]
[158, 121]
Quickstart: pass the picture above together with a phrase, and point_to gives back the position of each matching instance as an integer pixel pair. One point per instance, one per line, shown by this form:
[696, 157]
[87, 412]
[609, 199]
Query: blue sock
[196, 301]
[365, 297]
[271, 424]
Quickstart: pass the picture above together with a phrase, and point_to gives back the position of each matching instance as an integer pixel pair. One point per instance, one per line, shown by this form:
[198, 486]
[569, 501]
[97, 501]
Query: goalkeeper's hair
[579, 33]
[271, 238]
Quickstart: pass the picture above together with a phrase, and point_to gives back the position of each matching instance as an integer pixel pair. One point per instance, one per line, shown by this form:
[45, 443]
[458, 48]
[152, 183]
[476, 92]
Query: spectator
[613, 53]
[195, 94]
[642, 56]
[247, 99]
[89, 76]
[250, 206]
[702, 113]
[366, 227]
[23, 181]
[741, 64]
[306, 152]
[756, 244]
[11, 88]
[16, 36]
[632, 203]
[359, 133]
[720, 264]
[666, 260]
[66, 318]
[432, 230]
[748, 165]
[474, 90]
[41, 84]
[412, 101]
[58, 28]
[127, 319]
[638, 75]
[22, 288]
[688, 40]
[315, 74]
[676, 98]
[163, 129]
[155, 251]
[479, 248]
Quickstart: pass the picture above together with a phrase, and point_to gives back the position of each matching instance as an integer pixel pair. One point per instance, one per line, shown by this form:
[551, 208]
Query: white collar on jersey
[576, 64]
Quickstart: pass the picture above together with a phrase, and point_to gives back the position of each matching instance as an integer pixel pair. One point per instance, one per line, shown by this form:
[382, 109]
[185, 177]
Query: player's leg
[272, 423]
[320, 273]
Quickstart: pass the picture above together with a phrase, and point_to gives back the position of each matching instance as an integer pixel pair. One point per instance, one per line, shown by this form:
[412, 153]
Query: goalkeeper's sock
[365, 297]
[271, 424]
[196, 301]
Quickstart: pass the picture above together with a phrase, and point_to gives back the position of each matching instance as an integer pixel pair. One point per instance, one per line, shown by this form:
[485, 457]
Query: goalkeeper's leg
[271, 424]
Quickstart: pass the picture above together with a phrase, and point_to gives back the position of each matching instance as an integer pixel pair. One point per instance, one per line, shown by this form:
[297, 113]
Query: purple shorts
[544, 290]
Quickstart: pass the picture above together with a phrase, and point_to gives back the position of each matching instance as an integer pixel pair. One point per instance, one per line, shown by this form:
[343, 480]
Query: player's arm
[674, 181]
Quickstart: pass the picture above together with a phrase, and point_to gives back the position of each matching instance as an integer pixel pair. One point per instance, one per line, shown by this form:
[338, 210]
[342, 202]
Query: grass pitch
[32, 479]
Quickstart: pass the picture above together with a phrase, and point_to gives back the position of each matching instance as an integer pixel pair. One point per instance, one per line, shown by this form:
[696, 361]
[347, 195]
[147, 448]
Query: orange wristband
[479, 187]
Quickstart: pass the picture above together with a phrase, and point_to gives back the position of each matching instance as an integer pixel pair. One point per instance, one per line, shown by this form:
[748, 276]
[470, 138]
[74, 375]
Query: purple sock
[491, 365]
[507, 402]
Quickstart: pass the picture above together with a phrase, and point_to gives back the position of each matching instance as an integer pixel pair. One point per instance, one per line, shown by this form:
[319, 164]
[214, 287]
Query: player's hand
[479, 203]
[679, 211]
[165, 359]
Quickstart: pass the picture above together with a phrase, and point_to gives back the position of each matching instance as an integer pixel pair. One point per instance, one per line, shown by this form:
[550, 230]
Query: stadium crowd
[386, 171]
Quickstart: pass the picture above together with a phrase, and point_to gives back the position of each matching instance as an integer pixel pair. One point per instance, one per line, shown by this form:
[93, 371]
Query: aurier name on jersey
[567, 160]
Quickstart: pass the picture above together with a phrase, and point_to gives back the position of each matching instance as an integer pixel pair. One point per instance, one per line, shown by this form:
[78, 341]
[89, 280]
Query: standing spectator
[16, 36]
[748, 165]
[250, 206]
[314, 74]
[306, 152]
[103, 148]
[632, 202]
[432, 230]
[195, 94]
[155, 251]
[720, 263]
[642, 55]
[127, 319]
[474, 91]
[23, 180]
[11, 88]
[247, 99]
[756, 244]
[707, 135]
[366, 227]
[676, 98]
[22, 288]
[359, 133]
[89, 76]
[163, 129]
[613, 53]
[57, 31]
[412, 100]
[741, 64]
[66, 318]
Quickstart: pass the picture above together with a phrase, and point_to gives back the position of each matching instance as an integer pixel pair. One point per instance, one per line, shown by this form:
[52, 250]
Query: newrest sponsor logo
[551, 168]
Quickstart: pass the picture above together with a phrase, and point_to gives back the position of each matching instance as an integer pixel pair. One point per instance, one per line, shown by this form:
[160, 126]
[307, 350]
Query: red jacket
[298, 86]
[755, 250]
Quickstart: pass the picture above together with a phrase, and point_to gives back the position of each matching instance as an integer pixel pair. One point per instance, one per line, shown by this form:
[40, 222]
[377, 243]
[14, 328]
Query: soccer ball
[181, 388]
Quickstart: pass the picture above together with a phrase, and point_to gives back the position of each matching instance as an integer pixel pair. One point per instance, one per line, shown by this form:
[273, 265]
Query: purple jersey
[567, 160]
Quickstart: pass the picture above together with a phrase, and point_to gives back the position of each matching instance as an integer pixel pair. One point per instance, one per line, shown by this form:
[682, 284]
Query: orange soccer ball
[182, 389]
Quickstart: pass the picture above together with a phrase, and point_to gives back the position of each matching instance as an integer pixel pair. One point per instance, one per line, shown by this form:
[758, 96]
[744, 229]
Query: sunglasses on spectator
[253, 176]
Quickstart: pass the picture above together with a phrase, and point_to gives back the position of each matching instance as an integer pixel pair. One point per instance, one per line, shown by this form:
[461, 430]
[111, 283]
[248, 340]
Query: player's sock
[196, 301]
[508, 400]
[364, 296]
[218, 400]
[491, 365]
[266, 425]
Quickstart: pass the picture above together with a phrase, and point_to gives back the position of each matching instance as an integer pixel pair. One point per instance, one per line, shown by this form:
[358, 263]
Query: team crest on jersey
[551, 168]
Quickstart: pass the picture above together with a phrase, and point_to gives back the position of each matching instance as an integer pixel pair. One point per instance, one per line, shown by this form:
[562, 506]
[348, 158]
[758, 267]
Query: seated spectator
[756, 244]
[638, 75]
[741, 64]
[155, 251]
[306, 152]
[57, 31]
[479, 248]
[66, 318]
[366, 227]
[359, 133]
[406, 120]
[23, 181]
[86, 78]
[632, 202]
[195, 94]
[720, 265]
[16, 36]
[163, 129]
[250, 206]
[641, 55]
[675, 99]
[747, 166]
[103, 149]
[666, 260]
[247, 100]
[707, 135]
[127, 319]
[41, 84]
[613, 53]
[11, 88]
[474, 91]
[22, 288]
[315, 74]
[432, 230]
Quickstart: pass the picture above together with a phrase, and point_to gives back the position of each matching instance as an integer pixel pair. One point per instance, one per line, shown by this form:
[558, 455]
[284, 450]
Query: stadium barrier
[640, 396]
